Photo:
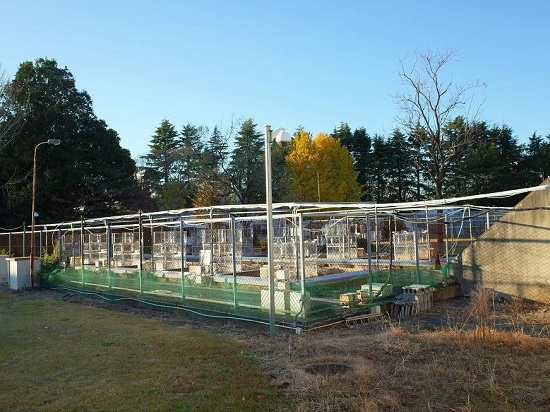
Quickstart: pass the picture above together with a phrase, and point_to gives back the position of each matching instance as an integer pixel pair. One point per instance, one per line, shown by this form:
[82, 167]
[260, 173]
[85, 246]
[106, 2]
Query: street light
[54, 142]
[282, 138]
[318, 184]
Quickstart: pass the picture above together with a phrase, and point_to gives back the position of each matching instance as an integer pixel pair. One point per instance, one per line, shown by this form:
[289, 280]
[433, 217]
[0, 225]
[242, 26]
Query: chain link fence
[327, 263]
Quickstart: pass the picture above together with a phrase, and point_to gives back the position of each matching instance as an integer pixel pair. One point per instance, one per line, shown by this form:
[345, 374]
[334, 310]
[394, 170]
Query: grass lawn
[58, 356]
[463, 355]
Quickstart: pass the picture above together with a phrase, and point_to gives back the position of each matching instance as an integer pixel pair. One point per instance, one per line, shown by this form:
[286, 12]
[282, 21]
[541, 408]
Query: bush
[49, 267]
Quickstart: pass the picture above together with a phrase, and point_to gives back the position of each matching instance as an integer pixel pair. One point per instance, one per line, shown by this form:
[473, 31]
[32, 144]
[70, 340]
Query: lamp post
[54, 142]
[282, 138]
[318, 184]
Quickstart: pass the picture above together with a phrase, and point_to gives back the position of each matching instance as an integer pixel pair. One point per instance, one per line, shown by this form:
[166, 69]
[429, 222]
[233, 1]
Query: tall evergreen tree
[359, 145]
[162, 167]
[162, 156]
[89, 168]
[459, 173]
[280, 178]
[191, 159]
[379, 169]
[536, 160]
[400, 166]
[492, 164]
[246, 169]
[212, 186]
[343, 133]
[217, 150]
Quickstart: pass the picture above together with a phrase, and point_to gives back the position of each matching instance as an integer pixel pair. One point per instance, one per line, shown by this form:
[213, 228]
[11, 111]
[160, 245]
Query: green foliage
[191, 160]
[171, 196]
[493, 155]
[246, 169]
[49, 267]
[162, 156]
[212, 186]
[400, 173]
[536, 160]
[437, 153]
[280, 177]
[359, 144]
[88, 168]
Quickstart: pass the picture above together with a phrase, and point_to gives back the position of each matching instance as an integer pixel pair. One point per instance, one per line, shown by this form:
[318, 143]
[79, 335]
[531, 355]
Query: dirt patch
[328, 368]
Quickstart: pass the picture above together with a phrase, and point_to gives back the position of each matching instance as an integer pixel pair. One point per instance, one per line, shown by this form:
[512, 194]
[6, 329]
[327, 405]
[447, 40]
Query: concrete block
[280, 274]
[295, 302]
[264, 298]
[348, 299]
[195, 269]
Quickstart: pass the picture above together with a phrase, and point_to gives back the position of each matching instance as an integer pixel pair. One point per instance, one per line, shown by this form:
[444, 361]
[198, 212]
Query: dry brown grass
[412, 366]
[405, 370]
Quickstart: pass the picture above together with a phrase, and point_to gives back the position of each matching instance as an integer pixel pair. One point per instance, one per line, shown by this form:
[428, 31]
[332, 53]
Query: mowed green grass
[60, 356]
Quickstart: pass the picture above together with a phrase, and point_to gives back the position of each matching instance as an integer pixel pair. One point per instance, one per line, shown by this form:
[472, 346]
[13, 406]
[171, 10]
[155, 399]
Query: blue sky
[285, 63]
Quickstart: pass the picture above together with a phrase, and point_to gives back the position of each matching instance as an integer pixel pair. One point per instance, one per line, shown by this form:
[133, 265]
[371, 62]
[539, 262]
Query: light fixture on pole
[282, 138]
[54, 142]
[318, 184]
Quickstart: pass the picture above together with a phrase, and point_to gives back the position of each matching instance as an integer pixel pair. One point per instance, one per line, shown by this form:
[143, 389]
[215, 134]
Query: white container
[20, 272]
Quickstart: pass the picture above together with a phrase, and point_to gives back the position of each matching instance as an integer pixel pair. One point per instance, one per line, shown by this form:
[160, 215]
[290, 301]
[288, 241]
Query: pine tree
[246, 169]
[190, 160]
[213, 187]
[162, 155]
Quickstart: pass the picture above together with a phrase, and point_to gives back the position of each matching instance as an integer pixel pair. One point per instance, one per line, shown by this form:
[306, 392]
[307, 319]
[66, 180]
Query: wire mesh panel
[289, 244]
[327, 263]
[126, 247]
[406, 246]
[167, 249]
[95, 249]
[222, 250]
[71, 247]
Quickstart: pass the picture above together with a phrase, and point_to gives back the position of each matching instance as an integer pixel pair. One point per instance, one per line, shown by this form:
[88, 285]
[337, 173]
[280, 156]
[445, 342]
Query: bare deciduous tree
[11, 120]
[428, 106]
[429, 103]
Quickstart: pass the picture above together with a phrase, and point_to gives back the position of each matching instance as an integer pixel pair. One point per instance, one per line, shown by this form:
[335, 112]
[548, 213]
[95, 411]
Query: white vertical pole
[183, 251]
[302, 255]
[447, 237]
[234, 258]
[416, 257]
[376, 230]
[470, 221]
[269, 217]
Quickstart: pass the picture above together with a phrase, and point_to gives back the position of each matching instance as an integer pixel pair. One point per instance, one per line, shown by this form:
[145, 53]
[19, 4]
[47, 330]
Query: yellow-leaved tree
[323, 168]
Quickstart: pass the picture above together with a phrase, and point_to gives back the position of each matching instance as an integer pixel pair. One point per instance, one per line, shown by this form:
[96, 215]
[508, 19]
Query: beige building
[513, 256]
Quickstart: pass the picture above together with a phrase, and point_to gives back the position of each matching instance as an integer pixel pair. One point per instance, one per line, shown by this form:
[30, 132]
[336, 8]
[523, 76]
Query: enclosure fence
[329, 261]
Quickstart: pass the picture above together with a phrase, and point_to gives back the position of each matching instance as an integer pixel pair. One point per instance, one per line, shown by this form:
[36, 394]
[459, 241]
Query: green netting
[298, 303]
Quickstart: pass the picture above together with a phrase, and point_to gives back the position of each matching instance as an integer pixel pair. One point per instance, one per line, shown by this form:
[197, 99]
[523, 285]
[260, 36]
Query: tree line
[436, 151]
[194, 167]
